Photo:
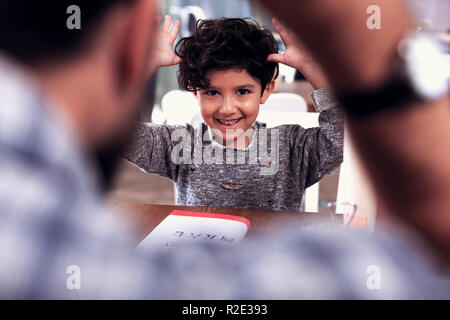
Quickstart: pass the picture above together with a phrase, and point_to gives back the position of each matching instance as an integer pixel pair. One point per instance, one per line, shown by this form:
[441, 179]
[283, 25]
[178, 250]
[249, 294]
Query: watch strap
[395, 93]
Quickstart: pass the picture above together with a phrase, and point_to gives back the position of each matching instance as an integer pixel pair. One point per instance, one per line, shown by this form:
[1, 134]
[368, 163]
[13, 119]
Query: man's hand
[163, 55]
[297, 57]
[335, 32]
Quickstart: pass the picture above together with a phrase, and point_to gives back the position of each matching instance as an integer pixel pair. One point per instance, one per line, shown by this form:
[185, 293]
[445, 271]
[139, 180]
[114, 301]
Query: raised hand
[163, 54]
[297, 57]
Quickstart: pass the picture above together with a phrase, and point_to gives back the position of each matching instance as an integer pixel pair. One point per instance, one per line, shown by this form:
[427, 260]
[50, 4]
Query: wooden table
[143, 218]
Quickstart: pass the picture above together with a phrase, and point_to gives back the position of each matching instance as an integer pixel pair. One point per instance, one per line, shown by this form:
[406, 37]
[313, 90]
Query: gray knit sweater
[272, 173]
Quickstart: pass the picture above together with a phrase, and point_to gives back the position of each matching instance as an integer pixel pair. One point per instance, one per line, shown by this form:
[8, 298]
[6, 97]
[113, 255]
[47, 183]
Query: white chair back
[285, 102]
[179, 107]
[276, 118]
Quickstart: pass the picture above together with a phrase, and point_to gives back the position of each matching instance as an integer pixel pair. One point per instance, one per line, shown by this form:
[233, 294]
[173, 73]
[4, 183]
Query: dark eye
[211, 93]
[243, 92]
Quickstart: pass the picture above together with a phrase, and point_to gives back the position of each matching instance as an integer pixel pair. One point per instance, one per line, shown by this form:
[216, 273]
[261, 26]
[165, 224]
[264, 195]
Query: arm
[151, 150]
[318, 152]
[407, 152]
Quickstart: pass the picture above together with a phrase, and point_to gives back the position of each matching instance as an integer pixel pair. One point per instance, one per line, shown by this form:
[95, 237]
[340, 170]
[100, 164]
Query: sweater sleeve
[317, 152]
[151, 149]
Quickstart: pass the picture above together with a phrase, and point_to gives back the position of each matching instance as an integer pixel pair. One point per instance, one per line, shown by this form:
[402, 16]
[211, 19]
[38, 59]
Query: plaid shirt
[52, 218]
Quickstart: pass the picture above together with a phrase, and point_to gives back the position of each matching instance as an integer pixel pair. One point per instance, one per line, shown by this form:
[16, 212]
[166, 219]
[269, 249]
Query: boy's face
[231, 104]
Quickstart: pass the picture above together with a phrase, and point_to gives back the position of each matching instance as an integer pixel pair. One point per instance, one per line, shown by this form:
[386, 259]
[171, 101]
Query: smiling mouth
[228, 122]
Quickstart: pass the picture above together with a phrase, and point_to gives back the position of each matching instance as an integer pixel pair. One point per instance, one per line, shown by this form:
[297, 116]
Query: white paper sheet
[182, 227]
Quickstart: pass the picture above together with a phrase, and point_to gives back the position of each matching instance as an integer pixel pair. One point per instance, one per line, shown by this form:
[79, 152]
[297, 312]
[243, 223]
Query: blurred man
[67, 105]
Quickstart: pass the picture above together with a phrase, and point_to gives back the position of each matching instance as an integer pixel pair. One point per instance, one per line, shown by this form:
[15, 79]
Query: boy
[230, 66]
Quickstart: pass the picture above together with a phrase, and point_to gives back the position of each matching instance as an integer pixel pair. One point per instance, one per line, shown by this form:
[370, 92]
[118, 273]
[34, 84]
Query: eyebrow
[248, 85]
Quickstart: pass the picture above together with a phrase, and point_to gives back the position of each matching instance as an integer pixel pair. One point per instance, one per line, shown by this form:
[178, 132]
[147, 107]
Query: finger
[157, 22]
[282, 32]
[167, 23]
[174, 31]
[177, 60]
[276, 57]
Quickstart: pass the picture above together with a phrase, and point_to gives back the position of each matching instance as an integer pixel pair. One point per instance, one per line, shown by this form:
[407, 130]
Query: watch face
[427, 65]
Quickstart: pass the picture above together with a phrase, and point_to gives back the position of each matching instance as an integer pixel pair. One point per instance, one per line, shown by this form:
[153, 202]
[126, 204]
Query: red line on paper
[211, 215]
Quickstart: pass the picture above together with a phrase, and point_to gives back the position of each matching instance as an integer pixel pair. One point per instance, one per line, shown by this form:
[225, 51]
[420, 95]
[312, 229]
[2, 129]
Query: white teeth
[228, 123]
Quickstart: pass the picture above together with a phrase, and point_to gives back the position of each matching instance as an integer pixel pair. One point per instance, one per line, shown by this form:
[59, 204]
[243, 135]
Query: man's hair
[32, 31]
[222, 44]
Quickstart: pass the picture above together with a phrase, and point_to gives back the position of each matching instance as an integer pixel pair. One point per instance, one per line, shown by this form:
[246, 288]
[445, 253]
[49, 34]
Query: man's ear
[135, 46]
[267, 92]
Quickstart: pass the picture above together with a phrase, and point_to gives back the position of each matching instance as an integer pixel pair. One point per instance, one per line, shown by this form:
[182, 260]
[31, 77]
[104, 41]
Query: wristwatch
[420, 74]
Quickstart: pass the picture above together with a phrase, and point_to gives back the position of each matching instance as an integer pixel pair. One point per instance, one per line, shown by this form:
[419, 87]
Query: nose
[228, 106]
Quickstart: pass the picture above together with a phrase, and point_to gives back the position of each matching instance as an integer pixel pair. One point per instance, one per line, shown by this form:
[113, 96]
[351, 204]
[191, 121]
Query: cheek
[207, 107]
[250, 106]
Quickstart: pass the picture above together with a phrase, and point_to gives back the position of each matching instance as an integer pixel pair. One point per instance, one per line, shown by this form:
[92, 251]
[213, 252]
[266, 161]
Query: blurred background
[132, 185]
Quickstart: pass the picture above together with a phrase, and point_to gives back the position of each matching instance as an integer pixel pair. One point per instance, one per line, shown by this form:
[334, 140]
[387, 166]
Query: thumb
[177, 60]
[276, 57]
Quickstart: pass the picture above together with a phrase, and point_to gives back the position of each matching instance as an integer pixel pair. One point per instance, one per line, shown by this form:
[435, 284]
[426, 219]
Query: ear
[267, 92]
[136, 43]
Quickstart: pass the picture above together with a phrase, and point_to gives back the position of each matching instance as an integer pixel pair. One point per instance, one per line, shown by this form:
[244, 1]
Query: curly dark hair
[222, 44]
